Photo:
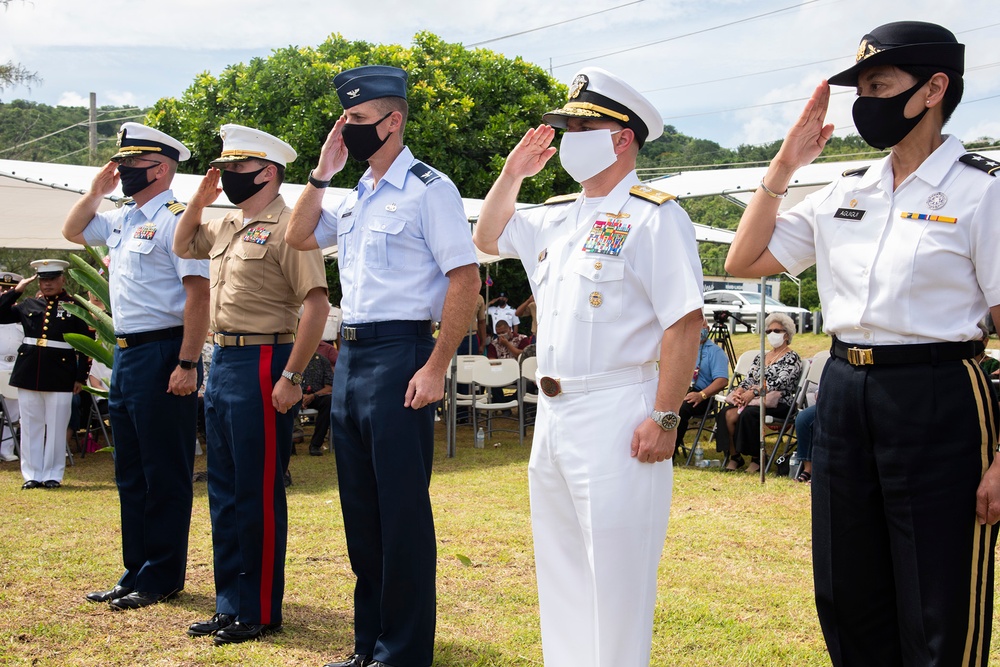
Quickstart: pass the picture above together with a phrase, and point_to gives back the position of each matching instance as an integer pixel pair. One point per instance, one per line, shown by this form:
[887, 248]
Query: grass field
[735, 578]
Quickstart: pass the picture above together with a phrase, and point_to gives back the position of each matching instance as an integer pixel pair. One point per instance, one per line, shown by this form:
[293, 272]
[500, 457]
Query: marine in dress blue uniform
[905, 252]
[48, 371]
[258, 284]
[160, 329]
[403, 226]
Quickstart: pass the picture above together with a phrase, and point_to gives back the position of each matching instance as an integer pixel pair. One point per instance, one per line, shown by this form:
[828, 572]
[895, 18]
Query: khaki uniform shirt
[480, 314]
[258, 282]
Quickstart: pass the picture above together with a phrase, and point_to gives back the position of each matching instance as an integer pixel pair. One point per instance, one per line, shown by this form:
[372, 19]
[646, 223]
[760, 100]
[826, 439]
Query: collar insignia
[353, 93]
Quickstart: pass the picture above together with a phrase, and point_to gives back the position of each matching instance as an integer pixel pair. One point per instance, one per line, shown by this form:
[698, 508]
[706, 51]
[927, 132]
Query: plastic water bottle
[793, 465]
[480, 438]
[699, 456]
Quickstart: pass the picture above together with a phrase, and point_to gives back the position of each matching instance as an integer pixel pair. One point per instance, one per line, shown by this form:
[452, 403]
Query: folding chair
[529, 368]
[743, 366]
[465, 364]
[500, 373]
[8, 393]
[97, 422]
[786, 429]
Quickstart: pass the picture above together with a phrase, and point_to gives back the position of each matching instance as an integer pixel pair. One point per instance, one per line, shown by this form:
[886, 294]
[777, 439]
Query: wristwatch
[187, 364]
[668, 421]
[316, 183]
[294, 378]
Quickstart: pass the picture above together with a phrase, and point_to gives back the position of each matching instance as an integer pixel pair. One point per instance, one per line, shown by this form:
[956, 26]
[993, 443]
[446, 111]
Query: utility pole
[92, 128]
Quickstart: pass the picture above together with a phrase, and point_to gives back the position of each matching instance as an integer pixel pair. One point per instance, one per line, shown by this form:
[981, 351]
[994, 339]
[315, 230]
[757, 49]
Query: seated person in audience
[989, 365]
[505, 345]
[738, 429]
[328, 350]
[317, 387]
[803, 433]
[711, 375]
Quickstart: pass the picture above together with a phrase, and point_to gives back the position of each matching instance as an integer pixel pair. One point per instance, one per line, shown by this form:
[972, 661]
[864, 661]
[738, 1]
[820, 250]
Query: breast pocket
[385, 246]
[247, 270]
[345, 237]
[138, 263]
[600, 284]
[215, 256]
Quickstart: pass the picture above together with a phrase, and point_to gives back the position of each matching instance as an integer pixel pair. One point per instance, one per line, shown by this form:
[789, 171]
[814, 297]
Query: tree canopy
[468, 108]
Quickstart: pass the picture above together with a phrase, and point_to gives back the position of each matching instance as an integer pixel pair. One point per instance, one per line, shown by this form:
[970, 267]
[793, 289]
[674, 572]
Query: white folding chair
[8, 393]
[497, 373]
[529, 368]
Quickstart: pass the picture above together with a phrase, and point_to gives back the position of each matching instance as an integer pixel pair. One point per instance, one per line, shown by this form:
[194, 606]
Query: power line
[83, 123]
[552, 25]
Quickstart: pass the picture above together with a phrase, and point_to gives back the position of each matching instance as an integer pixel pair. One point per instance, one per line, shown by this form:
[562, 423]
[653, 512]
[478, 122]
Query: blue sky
[737, 83]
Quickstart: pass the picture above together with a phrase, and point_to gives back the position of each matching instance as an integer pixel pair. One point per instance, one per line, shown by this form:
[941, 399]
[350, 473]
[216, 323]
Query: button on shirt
[396, 241]
[885, 275]
[258, 281]
[600, 311]
[147, 292]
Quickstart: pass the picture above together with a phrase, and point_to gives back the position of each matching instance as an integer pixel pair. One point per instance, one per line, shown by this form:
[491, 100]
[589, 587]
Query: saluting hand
[806, 139]
[208, 190]
[333, 155]
[106, 180]
[651, 444]
[531, 153]
[24, 282]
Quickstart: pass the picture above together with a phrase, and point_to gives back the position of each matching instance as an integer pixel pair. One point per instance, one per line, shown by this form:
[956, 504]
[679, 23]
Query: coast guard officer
[904, 508]
[47, 372]
[258, 285]
[403, 225]
[10, 340]
[618, 282]
[159, 307]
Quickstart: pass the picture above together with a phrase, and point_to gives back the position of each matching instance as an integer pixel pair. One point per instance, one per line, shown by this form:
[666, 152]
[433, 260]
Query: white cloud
[73, 99]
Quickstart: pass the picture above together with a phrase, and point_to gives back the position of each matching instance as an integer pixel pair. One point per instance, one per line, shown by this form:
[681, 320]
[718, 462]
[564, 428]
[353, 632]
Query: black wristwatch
[316, 183]
[187, 364]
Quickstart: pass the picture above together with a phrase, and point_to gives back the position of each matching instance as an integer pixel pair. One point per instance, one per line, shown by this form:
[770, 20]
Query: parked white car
[746, 306]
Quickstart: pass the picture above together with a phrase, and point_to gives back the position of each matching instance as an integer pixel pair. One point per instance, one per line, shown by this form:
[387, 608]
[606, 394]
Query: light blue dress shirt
[396, 241]
[147, 292]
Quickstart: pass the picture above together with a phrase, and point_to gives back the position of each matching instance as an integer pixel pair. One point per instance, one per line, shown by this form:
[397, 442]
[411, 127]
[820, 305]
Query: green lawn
[735, 579]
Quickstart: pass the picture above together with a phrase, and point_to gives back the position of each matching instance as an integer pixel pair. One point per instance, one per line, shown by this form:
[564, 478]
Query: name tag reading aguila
[849, 214]
[607, 237]
[145, 232]
[256, 235]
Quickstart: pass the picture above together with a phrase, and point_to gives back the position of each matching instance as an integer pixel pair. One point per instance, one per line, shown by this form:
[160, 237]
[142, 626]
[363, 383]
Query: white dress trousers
[599, 519]
[44, 420]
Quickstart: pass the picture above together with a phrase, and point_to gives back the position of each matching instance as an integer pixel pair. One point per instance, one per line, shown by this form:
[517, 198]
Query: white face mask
[586, 154]
[775, 339]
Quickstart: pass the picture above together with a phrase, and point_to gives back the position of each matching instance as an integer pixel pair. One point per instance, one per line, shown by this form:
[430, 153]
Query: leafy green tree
[468, 108]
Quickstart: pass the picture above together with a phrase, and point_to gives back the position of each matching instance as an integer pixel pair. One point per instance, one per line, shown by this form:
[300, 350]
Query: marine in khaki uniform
[258, 284]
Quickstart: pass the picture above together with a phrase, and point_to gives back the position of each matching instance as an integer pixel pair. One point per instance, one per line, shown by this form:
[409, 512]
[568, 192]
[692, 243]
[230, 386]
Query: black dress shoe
[315, 451]
[51, 484]
[108, 596]
[31, 484]
[243, 632]
[138, 600]
[356, 660]
[212, 626]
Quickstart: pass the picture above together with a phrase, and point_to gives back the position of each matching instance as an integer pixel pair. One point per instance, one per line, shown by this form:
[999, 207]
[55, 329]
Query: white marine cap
[49, 268]
[241, 143]
[136, 139]
[597, 93]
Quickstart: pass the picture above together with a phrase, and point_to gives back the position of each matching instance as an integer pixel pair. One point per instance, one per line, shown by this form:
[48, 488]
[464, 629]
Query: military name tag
[849, 214]
[256, 235]
[145, 232]
[607, 237]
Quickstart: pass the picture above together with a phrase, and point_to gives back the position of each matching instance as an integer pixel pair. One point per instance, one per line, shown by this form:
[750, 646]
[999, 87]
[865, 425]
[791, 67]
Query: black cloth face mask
[239, 186]
[880, 120]
[134, 179]
[362, 141]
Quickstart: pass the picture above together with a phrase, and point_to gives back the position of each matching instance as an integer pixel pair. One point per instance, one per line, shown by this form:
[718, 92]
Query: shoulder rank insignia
[561, 199]
[857, 171]
[175, 207]
[658, 197]
[980, 162]
[424, 173]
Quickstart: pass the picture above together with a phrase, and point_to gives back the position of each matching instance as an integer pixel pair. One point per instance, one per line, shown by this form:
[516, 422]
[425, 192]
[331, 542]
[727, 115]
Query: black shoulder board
[857, 171]
[424, 173]
[561, 199]
[980, 162]
[175, 207]
[650, 194]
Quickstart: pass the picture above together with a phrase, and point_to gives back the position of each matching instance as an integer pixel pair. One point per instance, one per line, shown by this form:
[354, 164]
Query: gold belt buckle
[860, 356]
[41, 342]
[122, 343]
[349, 333]
[550, 386]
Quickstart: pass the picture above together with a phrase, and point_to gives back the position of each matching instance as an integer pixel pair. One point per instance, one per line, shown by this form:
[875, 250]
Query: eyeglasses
[774, 331]
[133, 161]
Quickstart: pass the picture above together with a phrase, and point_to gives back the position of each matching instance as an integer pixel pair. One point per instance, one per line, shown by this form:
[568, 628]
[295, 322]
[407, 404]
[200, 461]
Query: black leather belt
[923, 353]
[390, 328]
[132, 340]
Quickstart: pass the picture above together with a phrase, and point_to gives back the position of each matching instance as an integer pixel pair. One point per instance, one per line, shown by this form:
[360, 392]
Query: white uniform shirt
[11, 336]
[885, 275]
[505, 313]
[608, 284]
[396, 242]
[147, 292]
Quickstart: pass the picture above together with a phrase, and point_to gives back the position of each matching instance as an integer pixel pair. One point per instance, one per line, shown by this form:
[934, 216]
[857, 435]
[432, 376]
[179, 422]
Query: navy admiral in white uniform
[48, 371]
[618, 283]
[905, 487]
[159, 304]
[403, 226]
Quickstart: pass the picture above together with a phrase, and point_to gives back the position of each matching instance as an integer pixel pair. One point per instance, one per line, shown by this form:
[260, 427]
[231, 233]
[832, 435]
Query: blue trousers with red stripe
[903, 570]
[384, 455]
[249, 444]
